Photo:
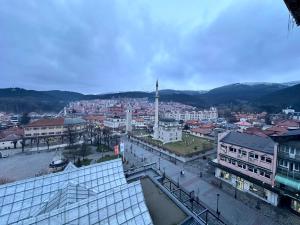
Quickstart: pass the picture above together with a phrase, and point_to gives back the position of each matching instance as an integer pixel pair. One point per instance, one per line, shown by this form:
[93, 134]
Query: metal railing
[286, 155]
[190, 201]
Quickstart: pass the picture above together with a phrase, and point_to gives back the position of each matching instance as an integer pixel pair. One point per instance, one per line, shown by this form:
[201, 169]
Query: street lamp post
[218, 212]
[236, 182]
[159, 163]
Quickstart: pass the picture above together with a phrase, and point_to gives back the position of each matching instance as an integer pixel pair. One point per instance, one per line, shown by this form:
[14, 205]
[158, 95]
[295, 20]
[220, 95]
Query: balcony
[294, 175]
[286, 155]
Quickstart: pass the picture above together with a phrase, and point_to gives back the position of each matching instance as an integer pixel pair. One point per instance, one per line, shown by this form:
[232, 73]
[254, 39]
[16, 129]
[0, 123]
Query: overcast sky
[97, 46]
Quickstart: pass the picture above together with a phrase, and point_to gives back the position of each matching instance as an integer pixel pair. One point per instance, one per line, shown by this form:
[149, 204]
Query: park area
[189, 146]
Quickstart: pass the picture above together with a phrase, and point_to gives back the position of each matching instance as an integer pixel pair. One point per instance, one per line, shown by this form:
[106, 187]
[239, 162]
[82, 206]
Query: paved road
[231, 209]
[23, 166]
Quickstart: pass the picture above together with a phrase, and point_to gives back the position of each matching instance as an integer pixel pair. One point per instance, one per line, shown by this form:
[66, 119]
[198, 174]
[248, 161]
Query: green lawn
[103, 148]
[188, 146]
[107, 158]
[86, 162]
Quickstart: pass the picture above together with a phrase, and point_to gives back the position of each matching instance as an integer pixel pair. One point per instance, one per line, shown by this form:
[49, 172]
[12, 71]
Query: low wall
[165, 152]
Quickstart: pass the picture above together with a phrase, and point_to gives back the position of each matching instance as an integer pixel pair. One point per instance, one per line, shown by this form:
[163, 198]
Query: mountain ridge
[259, 95]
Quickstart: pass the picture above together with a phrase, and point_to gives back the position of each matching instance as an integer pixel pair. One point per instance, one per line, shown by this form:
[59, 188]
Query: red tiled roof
[243, 123]
[192, 122]
[275, 130]
[201, 131]
[47, 122]
[12, 130]
[288, 123]
[255, 131]
[11, 137]
[95, 117]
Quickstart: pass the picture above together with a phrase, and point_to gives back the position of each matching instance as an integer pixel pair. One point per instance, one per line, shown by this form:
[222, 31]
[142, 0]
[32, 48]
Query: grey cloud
[97, 46]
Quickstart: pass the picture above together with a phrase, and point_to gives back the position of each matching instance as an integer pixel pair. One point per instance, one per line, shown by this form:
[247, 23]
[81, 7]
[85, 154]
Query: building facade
[169, 130]
[211, 114]
[55, 129]
[248, 163]
[288, 169]
[115, 122]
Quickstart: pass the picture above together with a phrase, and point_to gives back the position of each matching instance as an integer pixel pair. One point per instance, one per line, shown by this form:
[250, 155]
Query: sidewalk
[231, 209]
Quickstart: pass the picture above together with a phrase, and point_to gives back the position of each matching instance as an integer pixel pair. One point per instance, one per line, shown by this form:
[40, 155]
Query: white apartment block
[210, 114]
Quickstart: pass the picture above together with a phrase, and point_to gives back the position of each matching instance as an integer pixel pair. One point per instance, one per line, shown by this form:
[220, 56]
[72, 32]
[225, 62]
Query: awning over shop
[288, 182]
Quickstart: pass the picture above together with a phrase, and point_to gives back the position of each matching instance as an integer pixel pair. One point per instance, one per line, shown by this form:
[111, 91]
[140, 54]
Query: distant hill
[237, 93]
[262, 96]
[185, 92]
[286, 97]
[19, 100]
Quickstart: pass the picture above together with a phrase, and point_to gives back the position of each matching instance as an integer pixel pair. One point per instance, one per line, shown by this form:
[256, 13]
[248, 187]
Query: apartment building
[248, 163]
[288, 169]
[211, 114]
[54, 127]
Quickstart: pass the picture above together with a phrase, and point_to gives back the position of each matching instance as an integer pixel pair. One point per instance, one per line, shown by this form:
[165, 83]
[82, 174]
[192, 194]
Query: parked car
[3, 155]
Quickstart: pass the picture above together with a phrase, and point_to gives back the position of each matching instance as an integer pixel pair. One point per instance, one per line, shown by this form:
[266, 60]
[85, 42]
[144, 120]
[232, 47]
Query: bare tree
[23, 142]
[107, 137]
[84, 150]
[47, 140]
[5, 180]
[70, 136]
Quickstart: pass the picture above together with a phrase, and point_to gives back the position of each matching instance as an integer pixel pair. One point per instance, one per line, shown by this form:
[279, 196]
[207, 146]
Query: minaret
[129, 119]
[155, 128]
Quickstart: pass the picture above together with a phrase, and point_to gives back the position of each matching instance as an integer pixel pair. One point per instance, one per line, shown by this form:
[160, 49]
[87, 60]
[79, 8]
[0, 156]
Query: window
[251, 155]
[268, 160]
[262, 158]
[250, 168]
[280, 162]
[242, 165]
[224, 147]
[267, 175]
[231, 149]
[233, 162]
[262, 173]
[244, 153]
[255, 156]
[296, 166]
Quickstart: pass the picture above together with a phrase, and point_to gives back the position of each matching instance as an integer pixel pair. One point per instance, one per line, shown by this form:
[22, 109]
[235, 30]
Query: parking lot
[22, 165]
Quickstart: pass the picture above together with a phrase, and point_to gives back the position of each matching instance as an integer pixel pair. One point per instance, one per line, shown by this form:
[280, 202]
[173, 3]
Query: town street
[231, 209]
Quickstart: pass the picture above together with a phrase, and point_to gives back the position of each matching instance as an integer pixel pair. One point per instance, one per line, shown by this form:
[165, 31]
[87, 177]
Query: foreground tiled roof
[122, 205]
[23, 199]
[262, 144]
